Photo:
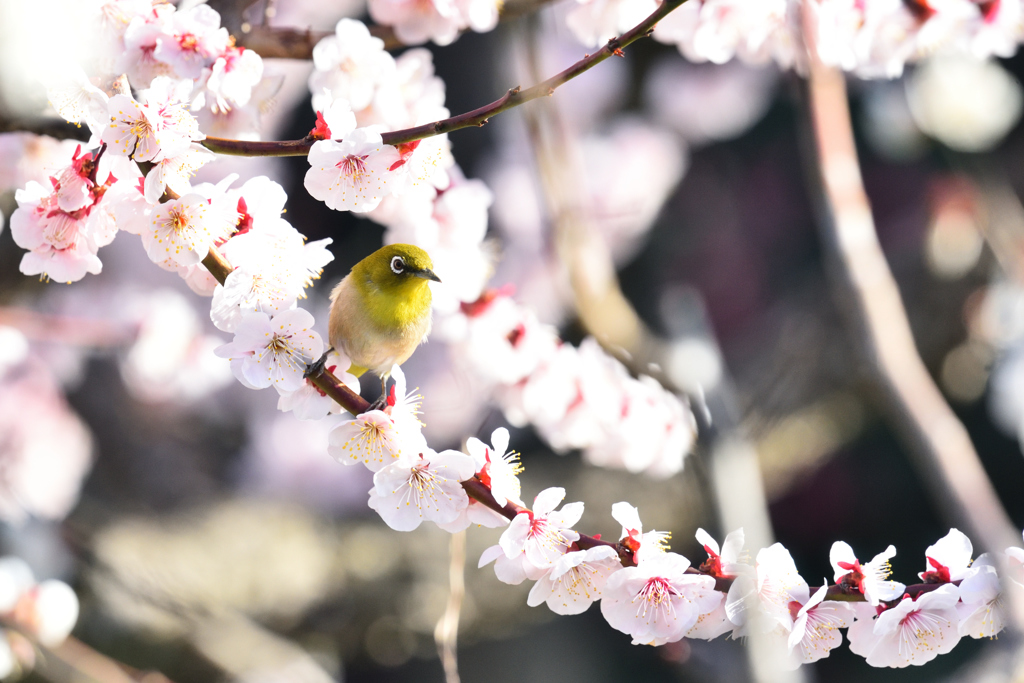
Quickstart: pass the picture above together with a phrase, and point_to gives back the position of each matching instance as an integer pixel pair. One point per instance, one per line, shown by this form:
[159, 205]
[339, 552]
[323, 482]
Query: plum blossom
[349, 65]
[913, 632]
[77, 100]
[721, 562]
[657, 602]
[175, 172]
[416, 22]
[423, 487]
[192, 39]
[354, 174]
[949, 558]
[181, 231]
[981, 607]
[377, 438]
[159, 129]
[816, 627]
[273, 351]
[62, 246]
[870, 579]
[761, 604]
[497, 467]
[542, 535]
[576, 580]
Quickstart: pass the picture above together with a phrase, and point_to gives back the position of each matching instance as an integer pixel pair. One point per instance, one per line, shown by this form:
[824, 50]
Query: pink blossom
[870, 579]
[657, 602]
[576, 580]
[371, 438]
[981, 608]
[273, 351]
[498, 470]
[542, 535]
[354, 174]
[349, 65]
[816, 627]
[948, 559]
[911, 633]
[192, 39]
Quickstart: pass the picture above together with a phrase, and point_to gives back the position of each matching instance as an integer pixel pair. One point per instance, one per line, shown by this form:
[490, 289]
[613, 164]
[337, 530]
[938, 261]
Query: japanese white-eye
[380, 312]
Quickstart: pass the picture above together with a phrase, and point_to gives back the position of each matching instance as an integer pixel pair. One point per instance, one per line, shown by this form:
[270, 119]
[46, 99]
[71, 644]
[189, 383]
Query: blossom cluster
[417, 21]
[44, 611]
[872, 38]
[146, 40]
[576, 398]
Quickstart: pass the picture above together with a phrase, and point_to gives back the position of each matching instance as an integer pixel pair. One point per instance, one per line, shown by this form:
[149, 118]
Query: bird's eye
[397, 265]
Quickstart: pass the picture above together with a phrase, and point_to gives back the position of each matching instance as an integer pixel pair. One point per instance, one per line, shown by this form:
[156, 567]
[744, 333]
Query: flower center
[353, 166]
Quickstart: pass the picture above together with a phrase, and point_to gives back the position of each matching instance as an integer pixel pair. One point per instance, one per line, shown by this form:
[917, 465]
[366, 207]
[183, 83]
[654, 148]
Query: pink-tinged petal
[569, 515]
[489, 555]
[547, 500]
[513, 539]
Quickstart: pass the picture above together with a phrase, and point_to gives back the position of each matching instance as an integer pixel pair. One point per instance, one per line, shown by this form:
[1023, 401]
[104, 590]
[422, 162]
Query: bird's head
[400, 270]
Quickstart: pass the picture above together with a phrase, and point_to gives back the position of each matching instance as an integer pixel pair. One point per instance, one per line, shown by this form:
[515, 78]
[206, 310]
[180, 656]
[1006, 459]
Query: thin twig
[446, 634]
[478, 117]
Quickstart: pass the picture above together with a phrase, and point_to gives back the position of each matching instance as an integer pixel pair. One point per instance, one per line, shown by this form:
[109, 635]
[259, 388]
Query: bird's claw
[380, 404]
[316, 368]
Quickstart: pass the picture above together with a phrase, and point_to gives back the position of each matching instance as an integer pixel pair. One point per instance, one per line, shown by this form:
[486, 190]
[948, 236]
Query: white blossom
[424, 487]
[273, 351]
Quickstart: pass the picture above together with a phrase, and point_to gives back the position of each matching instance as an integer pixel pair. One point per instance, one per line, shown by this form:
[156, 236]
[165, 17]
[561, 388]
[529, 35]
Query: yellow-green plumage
[380, 312]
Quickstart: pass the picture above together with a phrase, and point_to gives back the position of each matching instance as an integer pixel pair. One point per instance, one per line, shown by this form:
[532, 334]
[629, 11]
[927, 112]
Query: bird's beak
[427, 274]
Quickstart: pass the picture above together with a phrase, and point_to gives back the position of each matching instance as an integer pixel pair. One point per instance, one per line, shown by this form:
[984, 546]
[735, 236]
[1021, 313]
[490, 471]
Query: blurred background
[210, 537]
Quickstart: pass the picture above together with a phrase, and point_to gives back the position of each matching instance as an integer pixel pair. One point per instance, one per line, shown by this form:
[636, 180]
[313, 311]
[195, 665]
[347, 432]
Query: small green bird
[380, 312]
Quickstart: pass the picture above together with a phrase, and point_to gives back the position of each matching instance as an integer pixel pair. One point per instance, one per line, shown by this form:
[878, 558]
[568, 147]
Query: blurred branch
[446, 633]
[286, 42]
[478, 117]
[52, 127]
[75, 662]
[937, 440]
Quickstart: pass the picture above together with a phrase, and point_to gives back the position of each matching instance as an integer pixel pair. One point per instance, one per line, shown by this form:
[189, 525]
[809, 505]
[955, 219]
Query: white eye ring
[397, 265]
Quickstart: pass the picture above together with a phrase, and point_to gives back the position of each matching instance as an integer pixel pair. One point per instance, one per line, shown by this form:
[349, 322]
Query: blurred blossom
[888, 125]
[171, 359]
[45, 449]
[965, 371]
[708, 103]
[13, 348]
[26, 156]
[287, 458]
[966, 104]
[954, 242]
[629, 175]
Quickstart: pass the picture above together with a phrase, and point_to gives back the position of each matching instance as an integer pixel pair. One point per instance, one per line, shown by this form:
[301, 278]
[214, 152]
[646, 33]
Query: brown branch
[477, 117]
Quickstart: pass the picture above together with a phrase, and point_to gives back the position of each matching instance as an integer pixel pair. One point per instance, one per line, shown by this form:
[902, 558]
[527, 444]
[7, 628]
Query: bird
[381, 311]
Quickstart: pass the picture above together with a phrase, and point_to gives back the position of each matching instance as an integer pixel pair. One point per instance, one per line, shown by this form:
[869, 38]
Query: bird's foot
[316, 368]
[380, 404]
[382, 401]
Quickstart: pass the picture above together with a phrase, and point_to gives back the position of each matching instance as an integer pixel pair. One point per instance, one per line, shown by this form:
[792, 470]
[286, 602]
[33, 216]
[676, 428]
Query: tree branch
[478, 117]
